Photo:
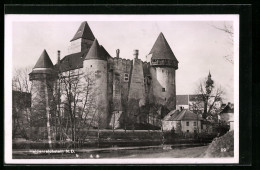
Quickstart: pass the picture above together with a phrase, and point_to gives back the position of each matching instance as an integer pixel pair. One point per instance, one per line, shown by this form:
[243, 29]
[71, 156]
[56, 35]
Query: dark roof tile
[227, 109]
[75, 61]
[44, 61]
[184, 114]
[96, 52]
[162, 50]
[84, 31]
[72, 61]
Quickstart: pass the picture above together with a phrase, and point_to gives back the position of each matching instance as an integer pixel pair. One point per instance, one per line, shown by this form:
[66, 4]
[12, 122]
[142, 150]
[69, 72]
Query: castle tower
[95, 67]
[82, 40]
[42, 77]
[163, 65]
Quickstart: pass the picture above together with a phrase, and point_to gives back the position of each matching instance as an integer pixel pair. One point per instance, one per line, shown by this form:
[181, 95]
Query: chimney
[117, 53]
[58, 57]
[136, 52]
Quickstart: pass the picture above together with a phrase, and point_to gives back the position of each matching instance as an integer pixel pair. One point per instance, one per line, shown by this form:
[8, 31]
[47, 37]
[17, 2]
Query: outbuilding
[227, 115]
[182, 121]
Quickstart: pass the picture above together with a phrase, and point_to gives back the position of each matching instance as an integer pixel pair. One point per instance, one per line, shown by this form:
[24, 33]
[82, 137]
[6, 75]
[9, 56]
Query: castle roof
[177, 115]
[104, 51]
[72, 61]
[44, 61]
[161, 49]
[96, 52]
[75, 61]
[84, 31]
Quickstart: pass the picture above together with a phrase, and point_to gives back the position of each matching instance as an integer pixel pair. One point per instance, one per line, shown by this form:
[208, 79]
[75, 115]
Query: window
[163, 89]
[194, 123]
[126, 77]
[195, 131]
[98, 74]
[187, 123]
[187, 131]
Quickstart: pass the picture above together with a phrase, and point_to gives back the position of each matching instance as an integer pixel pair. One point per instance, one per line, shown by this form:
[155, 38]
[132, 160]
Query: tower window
[98, 74]
[126, 77]
[187, 123]
[163, 89]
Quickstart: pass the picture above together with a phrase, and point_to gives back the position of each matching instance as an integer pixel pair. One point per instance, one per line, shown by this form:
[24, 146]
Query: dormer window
[163, 89]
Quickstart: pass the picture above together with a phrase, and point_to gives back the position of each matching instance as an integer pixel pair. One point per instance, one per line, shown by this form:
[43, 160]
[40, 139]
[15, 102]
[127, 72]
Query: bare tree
[207, 97]
[21, 98]
[20, 79]
[229, 31]
[78, 103]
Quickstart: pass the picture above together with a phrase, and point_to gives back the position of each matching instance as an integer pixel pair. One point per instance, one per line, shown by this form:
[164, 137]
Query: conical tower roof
[162, 50]
[95, 52]
[84, 31]
[44, 61]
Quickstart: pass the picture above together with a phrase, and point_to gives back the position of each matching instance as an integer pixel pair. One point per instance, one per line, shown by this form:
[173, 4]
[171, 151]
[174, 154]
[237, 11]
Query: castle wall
[118, 86]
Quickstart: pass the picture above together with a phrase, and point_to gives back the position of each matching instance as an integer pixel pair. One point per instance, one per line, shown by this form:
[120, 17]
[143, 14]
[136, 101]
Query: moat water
[96, 151]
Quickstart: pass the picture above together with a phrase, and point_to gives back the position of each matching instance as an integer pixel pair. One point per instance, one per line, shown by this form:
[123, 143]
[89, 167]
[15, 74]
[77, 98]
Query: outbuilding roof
[227, 109]
[177, 115]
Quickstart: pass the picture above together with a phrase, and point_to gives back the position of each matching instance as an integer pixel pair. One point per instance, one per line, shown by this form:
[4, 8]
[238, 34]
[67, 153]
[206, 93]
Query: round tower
[43, 77]
[95, 67]
[163, 65]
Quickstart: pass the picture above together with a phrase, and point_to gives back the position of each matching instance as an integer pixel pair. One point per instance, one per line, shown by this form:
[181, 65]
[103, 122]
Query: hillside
[222, 146]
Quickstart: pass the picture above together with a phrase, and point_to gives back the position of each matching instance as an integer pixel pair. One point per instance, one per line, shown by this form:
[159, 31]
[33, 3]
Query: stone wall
[97, 70]
[79, 45]
[163, 86]
[119, 72]
[42, 95]
[136, 96]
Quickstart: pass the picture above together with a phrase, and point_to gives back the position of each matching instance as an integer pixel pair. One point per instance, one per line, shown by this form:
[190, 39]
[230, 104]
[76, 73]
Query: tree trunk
[205, 109]
[48, 114]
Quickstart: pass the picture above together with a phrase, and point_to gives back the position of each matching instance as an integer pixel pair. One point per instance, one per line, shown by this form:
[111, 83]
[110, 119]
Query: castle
[116, 89]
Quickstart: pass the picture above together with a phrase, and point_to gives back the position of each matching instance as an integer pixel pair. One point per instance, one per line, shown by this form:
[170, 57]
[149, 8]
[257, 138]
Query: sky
[197, 45]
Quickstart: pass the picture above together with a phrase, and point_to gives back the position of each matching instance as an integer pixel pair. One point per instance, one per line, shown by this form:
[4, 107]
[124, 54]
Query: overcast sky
[198, 46]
